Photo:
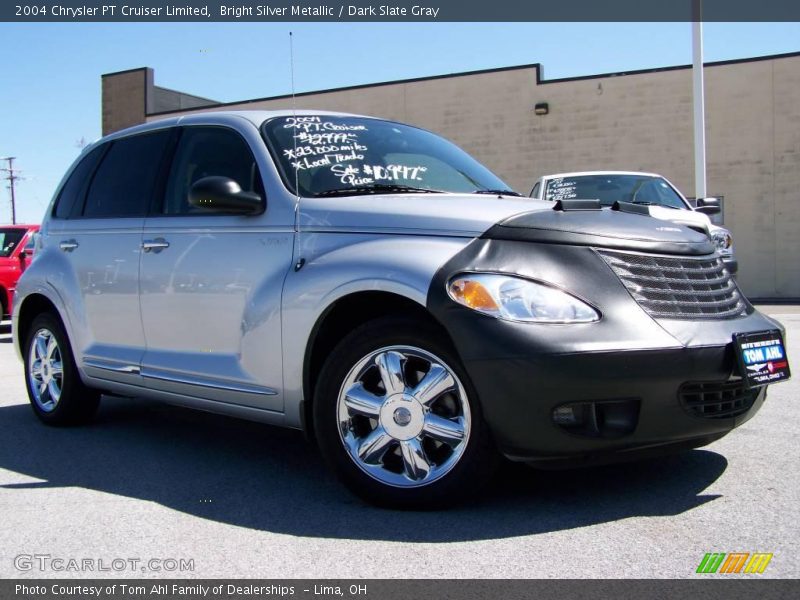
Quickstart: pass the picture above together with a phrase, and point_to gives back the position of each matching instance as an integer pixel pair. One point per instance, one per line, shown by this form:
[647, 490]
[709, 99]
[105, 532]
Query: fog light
[598, 418]
[566, 415]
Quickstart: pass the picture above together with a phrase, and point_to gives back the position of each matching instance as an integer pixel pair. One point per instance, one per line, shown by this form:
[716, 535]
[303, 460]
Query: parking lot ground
[150, 481]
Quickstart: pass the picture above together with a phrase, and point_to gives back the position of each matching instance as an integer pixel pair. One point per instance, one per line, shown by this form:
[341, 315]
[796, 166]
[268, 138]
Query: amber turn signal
[473, 294]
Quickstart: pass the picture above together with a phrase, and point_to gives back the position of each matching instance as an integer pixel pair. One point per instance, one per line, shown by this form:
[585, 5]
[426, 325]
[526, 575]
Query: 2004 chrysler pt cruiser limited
[372, 284]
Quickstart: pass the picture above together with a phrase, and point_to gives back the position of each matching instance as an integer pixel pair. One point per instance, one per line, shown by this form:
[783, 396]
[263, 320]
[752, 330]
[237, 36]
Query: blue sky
[50, 95]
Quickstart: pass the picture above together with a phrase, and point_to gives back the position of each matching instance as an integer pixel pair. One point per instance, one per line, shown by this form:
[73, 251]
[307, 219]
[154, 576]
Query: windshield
[332, 156]
[639, 189]
[9, 238]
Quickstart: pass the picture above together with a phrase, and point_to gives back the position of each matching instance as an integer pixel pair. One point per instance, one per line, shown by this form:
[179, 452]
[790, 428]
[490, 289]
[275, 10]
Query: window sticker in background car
[561, 189]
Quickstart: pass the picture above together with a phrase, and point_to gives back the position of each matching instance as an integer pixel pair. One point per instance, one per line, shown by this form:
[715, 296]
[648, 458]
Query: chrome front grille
[678, 287]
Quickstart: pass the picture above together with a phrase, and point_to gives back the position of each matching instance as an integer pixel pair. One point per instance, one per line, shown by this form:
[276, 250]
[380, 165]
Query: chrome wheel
[45, 370]
[404, 417]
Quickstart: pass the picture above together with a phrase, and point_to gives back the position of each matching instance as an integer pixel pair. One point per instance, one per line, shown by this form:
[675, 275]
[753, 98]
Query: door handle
[68, 245]
[155, 246]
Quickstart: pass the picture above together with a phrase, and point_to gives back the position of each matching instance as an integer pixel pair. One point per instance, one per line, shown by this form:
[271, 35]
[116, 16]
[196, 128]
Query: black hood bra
[603, 228]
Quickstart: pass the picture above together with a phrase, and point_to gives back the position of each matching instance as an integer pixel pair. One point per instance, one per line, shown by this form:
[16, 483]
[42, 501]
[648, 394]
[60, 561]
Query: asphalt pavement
[150, 489]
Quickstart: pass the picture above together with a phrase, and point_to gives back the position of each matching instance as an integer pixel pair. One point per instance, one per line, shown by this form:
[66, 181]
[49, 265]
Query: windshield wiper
[648, 203]
[377, 189]
[498, 192]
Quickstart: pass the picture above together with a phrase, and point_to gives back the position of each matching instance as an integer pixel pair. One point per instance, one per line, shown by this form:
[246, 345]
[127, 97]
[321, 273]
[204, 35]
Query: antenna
[291, 67]
[294, 114]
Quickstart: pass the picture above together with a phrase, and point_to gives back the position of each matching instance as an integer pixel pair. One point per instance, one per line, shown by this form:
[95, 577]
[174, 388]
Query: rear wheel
[398, 419]
[55, 390]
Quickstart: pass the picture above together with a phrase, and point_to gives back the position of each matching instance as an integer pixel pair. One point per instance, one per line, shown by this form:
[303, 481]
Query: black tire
[465, 475]
[76, 403]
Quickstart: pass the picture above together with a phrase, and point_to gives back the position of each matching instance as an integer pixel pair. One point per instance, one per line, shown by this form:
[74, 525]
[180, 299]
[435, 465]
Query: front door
[211, 282]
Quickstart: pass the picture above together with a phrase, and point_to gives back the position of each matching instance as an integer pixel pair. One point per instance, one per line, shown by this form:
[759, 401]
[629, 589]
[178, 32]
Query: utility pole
[11, 177]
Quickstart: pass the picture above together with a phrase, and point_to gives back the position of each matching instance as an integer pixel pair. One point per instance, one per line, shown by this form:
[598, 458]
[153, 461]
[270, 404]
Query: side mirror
[708, 206]
[23, 259]
[224, 195]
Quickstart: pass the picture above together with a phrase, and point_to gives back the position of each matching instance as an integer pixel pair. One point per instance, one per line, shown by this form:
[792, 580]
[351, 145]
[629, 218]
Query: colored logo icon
[734, 562]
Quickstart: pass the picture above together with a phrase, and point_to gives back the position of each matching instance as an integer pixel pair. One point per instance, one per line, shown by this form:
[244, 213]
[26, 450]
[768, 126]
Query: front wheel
[398, 419]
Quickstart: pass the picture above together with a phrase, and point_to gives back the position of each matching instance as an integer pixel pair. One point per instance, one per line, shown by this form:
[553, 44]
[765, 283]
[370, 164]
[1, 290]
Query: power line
[11, 178]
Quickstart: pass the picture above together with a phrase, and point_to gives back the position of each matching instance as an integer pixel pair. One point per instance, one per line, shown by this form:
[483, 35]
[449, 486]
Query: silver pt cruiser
[370, 283]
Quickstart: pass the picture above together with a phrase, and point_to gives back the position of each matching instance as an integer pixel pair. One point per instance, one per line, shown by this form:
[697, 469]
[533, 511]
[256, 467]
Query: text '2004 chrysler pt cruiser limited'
[372, 284]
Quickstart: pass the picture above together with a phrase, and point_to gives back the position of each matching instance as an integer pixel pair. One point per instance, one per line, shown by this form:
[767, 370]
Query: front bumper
[522, 372]
[519, 396]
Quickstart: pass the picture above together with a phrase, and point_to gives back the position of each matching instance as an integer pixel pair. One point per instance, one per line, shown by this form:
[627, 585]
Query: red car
[16, 250]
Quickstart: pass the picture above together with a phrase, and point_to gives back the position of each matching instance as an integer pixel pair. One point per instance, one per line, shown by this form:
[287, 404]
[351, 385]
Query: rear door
[97, 229]
[211, 281]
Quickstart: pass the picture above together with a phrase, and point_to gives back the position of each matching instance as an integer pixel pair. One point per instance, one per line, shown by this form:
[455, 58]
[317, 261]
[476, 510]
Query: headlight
[516, 299]
[722, 240]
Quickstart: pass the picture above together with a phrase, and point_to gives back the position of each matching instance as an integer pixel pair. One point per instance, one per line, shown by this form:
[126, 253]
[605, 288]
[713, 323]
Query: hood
[506, 218]
[462, 215]
[604, 228]
[690, 218]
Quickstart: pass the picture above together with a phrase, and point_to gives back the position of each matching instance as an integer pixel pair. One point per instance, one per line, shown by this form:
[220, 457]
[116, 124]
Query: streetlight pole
[699, 102]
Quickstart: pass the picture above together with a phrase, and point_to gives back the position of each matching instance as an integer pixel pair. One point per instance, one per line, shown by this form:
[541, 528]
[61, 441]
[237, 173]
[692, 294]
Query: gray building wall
[130, 96]
[168, 100]
[632, 121]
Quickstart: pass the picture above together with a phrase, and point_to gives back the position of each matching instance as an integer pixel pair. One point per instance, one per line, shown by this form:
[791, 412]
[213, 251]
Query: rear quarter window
[70, 199]
[125, 181]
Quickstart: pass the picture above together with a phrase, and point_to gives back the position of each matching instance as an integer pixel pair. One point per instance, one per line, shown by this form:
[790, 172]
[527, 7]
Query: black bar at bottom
[709, 587]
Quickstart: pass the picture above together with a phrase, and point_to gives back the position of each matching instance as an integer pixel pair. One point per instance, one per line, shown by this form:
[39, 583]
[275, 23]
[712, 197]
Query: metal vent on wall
[678, 287]
[717, 400]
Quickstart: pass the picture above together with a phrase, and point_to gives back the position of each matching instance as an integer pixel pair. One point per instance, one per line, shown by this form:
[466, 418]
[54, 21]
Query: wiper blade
[376, 189]
[648, 203]
[498, 192]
